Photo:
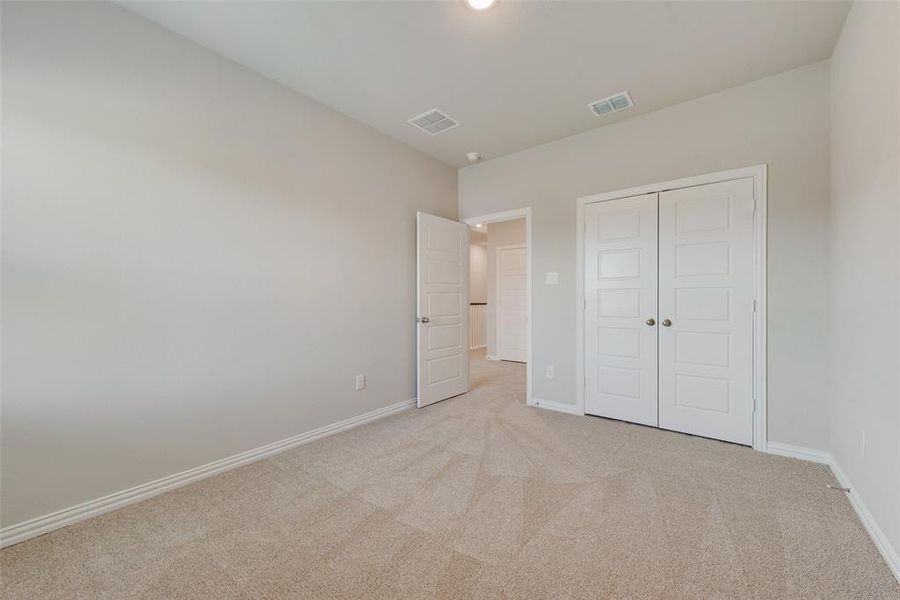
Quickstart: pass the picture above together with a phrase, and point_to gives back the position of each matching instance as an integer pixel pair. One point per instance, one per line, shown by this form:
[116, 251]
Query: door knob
[667, 323]
[651, 322]
[425, 319]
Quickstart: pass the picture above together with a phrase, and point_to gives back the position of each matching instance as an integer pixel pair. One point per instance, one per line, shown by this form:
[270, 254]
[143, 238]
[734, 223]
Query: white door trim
[759, 175]
[497, 319]
[510, 215]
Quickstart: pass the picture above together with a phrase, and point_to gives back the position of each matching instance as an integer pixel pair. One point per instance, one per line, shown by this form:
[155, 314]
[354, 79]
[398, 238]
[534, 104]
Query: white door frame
[497, 291]
[759, 175]
[511, 215]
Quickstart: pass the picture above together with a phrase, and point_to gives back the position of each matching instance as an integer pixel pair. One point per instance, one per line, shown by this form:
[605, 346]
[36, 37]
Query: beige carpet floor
[476, 497]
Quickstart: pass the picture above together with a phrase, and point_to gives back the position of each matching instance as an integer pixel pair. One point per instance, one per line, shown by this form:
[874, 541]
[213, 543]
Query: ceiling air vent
[433, 122]
[612, 104]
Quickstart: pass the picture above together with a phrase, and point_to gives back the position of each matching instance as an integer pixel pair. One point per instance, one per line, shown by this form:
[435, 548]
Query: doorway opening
[500, 299]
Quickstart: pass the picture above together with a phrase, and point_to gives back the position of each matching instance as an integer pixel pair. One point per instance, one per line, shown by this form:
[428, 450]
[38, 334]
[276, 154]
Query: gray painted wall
[781, 120]
[865, 254]
[196, 260]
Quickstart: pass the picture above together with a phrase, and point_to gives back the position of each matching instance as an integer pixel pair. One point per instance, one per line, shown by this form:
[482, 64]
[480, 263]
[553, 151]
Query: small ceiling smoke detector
[611, 104]
[480, 4]
[473, 156]
[434, 122]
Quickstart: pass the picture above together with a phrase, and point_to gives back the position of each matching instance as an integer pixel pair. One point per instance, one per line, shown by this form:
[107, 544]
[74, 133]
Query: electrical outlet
[360, 381]
[550, 373]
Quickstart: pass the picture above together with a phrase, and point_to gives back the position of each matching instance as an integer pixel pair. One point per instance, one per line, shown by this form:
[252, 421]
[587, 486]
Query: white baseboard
[816, 456]
[68, 516]
[40, 525]
[570, 409]
[492, 357]
[878, 536]
[888, 552]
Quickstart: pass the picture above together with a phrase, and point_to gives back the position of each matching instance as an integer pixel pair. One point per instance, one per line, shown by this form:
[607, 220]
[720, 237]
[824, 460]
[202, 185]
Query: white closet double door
[669, 308]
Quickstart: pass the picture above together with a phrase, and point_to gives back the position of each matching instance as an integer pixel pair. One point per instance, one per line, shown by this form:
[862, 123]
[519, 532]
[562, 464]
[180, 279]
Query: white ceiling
[518, 75]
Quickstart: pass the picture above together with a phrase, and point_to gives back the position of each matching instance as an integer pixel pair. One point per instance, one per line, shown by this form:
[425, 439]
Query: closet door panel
[706, 274]
[620, 272]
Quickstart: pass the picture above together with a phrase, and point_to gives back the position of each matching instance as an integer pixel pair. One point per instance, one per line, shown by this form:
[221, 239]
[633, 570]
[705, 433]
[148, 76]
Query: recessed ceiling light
[480, 225]
[480, 4]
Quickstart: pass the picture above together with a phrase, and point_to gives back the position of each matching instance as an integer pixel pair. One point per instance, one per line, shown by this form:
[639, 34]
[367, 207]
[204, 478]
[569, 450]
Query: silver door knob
[651, 322]
[425, 319]
[667, 323]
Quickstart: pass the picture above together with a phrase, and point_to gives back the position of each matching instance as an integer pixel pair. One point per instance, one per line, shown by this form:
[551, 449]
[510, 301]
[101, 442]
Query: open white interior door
[442, 260]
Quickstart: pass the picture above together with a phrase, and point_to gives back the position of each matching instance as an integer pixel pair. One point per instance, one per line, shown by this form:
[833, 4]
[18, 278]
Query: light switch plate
[551, 278]
[361, 381]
